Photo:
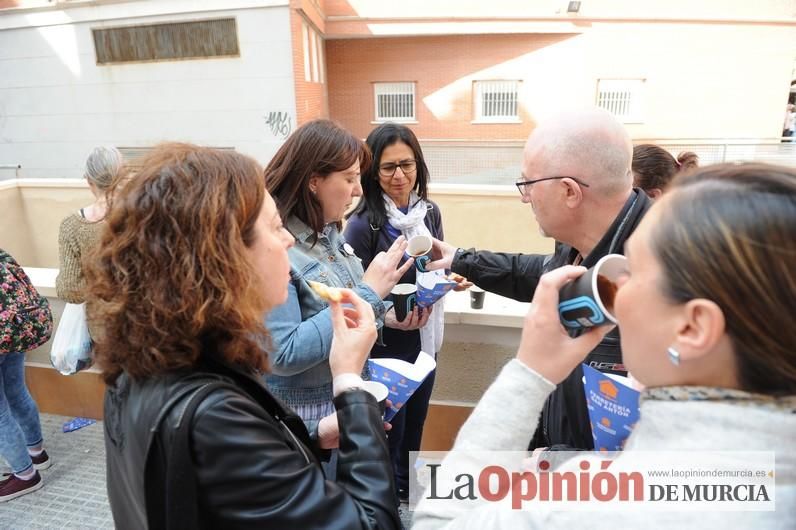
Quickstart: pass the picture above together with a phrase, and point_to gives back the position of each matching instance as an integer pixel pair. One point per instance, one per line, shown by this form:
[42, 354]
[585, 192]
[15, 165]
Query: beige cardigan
[75, 238]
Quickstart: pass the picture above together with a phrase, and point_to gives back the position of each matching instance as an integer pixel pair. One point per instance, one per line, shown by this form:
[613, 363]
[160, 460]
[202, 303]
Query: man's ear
[573, 194]
[702, 328]
[654, 193]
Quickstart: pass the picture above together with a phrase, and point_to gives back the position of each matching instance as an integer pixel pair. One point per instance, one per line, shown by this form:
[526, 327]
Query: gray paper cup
[404, 299]
[477, 297]
[419, 248]
[589, 300]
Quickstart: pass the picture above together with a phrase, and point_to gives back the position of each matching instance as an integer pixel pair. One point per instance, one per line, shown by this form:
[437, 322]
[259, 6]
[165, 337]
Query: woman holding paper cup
[705, 310]
[314, 179]
[395, 204]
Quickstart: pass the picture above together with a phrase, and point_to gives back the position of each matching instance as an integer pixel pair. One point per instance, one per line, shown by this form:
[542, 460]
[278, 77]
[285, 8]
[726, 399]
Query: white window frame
[502, 109]
[624, 98]
[314, 54]
[395, 88]
[305, 39]
[321, 59]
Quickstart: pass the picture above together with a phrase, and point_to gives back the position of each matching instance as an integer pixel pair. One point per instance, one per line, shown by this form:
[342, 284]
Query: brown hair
[654, 167]
[317, 148]
[170, 280]
[728, 234]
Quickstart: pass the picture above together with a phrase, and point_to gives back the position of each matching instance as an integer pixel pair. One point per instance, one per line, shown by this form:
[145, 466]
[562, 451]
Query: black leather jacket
[254, 468]
[565, 419]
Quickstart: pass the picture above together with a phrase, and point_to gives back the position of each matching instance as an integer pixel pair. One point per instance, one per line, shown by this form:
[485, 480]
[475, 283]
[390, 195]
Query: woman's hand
[354, 334]
[545, 346]
[414, 320]
[383, 272]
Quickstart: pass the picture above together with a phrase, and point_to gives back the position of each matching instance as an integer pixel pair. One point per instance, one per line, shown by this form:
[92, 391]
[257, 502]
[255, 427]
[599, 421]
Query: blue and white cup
[419, 248]
[404, 299]
[589, 300]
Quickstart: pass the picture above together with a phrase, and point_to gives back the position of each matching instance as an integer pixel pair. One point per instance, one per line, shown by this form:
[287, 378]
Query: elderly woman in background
[314, 179]
[654, 167]
[79, 232]
[714, 261]
[193, 255]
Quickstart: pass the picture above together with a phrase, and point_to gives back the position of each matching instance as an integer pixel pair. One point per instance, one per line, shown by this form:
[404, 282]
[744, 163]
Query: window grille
[622, 98]
[395, 101]
[167, 42]
[497, 100]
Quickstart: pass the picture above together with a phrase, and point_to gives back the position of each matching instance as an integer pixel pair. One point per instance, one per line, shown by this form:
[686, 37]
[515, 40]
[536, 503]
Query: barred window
[497, 101]
[622, 98]
[394, 101]
[167, 42]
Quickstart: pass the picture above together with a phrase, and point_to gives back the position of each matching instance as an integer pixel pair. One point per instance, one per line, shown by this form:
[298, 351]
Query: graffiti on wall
[280, 124]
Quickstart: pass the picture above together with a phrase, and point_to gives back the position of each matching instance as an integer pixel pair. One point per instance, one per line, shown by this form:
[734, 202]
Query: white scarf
[412, 224]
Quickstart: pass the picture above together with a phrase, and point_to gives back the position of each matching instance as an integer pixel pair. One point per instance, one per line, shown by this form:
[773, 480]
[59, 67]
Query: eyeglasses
[522, 183]
[407, 167]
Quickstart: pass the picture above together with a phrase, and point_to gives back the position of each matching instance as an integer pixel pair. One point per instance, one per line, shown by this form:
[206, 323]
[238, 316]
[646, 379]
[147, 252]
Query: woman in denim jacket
[314, 178]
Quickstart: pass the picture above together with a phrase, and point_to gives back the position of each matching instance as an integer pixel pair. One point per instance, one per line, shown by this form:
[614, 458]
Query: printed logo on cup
[404, 299]
[589, 300]
[419, 248]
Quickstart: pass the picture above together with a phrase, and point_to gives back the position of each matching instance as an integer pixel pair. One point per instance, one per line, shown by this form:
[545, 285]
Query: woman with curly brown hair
[193, 254]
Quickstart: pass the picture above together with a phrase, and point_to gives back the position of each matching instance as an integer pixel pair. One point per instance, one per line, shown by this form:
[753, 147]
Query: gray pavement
[74, 494]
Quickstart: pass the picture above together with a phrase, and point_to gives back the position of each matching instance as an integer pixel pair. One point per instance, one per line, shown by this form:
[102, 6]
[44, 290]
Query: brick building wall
[443, 69]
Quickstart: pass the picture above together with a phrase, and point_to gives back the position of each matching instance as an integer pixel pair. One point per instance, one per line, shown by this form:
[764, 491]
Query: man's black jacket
[565, 419]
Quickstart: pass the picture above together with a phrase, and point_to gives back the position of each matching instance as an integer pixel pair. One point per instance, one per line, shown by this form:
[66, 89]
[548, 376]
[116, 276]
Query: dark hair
[654, 167]
[728, 234]
[171, 279]
[317, 148]
[378, 140]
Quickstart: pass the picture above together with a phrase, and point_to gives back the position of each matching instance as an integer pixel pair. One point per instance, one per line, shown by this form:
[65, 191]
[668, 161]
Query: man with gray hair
[576, 176]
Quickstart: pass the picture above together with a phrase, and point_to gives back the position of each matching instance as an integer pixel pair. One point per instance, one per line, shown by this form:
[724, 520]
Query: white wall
[56, 103]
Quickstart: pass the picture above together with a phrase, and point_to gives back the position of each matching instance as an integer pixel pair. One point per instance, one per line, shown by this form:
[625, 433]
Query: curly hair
[170, 280]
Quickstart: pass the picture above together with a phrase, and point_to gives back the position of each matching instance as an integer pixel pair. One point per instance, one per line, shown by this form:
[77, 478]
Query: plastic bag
[71, 346]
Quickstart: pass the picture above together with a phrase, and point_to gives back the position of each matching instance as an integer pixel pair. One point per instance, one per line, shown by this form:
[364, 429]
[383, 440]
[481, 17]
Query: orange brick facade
[434, 64]
[311, 97]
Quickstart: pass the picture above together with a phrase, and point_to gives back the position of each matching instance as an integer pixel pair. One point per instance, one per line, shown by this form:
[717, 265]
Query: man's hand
[441, 254]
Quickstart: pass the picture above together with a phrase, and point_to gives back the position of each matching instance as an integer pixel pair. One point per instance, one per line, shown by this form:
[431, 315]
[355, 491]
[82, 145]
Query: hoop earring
[674, 356]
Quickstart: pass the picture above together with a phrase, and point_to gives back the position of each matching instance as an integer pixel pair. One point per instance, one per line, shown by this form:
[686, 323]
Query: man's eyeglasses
[522, 183]
[407, 167]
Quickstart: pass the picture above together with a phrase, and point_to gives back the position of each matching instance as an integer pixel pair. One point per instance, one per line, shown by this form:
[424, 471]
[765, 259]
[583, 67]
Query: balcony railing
[498, 162]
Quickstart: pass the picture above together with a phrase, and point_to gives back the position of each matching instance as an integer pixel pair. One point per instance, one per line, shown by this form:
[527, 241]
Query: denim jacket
[301, 328]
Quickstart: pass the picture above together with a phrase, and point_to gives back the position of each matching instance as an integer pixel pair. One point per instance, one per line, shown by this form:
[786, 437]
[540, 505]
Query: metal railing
[498, 162]
[15, 167]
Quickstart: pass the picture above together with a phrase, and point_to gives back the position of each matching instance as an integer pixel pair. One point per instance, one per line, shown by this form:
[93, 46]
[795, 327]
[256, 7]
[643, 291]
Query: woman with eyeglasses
[395, 203]
[314, 179]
